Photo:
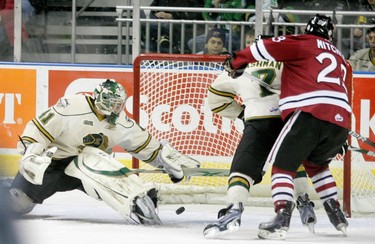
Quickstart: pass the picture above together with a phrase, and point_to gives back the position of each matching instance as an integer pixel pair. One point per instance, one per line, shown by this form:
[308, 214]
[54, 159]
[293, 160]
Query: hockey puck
[180, 210]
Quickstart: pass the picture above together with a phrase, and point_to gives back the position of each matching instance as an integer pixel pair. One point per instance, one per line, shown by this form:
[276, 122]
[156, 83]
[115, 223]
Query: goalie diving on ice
[68, 146]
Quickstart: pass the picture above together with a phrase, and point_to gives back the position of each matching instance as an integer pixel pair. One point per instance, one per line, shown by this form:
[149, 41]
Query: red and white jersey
[68, 124]
[314, 75]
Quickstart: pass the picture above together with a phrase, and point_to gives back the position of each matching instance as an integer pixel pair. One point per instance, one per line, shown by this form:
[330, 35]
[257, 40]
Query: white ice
[74, 218]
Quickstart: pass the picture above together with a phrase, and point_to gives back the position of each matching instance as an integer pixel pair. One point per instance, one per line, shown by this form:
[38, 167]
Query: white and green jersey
[362, 60]
[73, 123]
[259, 102]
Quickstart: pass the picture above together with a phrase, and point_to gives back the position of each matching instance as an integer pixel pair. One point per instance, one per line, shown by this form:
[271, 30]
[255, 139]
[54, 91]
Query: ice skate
[306, 211]
[335, 215]
[277, 228]
[229, 220]
[144, 211]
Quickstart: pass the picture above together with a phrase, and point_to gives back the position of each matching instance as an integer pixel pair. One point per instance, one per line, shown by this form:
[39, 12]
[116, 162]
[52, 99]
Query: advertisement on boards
[68, 82]
[364, 109]
[17, 103]
[26, 90]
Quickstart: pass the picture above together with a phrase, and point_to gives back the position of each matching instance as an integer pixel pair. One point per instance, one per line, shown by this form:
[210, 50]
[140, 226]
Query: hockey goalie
[68, 147]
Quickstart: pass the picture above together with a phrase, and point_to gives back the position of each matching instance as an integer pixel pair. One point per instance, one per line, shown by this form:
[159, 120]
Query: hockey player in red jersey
[314, 103]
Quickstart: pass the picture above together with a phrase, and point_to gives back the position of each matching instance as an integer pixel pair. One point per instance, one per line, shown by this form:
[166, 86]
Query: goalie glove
[173, 162]
[228, 67]
[34, 162]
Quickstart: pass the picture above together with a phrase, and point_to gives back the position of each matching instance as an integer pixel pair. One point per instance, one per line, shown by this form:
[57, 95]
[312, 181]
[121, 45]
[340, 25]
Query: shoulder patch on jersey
[73, 105]
[62, 103]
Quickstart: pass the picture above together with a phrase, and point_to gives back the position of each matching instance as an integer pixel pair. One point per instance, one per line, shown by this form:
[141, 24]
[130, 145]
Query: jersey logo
[339, 118]
[96, 140]
[88, 122]
[273, 109]
[63, 103]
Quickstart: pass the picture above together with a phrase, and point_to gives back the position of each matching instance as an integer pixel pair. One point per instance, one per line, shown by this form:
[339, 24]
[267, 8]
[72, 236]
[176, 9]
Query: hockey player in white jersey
[68, 147]
[263, 123]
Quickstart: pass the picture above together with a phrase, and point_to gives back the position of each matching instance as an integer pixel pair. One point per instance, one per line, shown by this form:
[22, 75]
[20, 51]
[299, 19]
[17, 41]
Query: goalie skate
[335, 215]
[144, 211]
[229, 221]
[277, 228]
[306, 211]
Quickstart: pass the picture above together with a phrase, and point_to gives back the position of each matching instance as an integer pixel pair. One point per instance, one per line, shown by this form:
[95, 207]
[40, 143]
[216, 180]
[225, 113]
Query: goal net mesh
[173, 106]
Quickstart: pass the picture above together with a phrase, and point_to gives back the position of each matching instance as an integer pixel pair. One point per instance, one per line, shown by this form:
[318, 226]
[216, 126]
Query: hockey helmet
[110, 98]
[320, 25]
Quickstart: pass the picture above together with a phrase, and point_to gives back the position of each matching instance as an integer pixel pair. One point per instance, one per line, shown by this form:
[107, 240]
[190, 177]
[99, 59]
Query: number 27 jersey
[314, 75]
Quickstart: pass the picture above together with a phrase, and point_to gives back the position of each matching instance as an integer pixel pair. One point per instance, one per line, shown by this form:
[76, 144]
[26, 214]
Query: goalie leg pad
[104, 178]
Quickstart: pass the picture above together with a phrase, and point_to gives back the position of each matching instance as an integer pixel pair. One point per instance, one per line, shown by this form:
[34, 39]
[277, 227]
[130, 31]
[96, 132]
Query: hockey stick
[188, 172]
[362, 138]
[364, 151]
[261, 83]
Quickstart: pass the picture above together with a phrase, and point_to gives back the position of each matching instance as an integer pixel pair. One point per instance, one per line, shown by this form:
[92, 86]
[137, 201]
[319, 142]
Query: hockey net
[169, 100]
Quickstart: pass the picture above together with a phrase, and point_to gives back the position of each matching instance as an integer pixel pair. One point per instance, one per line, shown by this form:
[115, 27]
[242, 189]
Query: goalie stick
[188, 172]
[364, 151]
[361, 138]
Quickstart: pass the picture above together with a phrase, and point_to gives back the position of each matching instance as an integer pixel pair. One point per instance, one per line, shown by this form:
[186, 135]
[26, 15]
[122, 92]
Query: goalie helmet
[110, 98]
[320, 25]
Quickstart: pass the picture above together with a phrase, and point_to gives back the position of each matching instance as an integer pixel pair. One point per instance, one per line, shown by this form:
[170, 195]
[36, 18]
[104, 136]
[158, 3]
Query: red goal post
[169, 100]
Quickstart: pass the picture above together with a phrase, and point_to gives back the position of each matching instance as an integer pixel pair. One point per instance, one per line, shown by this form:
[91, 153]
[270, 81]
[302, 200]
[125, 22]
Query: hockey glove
[34, 162]
[173, 162]
[228, 67]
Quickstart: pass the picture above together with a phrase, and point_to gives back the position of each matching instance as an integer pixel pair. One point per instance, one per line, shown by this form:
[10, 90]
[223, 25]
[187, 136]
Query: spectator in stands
[368, 5]
[249, 37]
[364, 59]
[211, 16]
[215, 42]
[358, 41]
[7, 29]
[164, 41]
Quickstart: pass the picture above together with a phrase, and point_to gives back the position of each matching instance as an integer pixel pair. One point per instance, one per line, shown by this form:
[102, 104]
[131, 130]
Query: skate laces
[304, 200]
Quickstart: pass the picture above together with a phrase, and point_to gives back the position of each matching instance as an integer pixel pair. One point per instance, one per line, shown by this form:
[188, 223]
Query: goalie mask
[320, 25]
[110, 99]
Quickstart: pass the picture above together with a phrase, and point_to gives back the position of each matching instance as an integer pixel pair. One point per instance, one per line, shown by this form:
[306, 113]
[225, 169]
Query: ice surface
[74, 218]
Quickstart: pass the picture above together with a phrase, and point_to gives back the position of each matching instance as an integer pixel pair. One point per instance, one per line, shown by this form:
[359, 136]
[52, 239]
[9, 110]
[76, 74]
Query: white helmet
[110, 98]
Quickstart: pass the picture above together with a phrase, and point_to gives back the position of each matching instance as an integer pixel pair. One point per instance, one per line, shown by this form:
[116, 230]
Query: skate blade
[277, 235]
[343, 230]
[214, 231]
[311, 227]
